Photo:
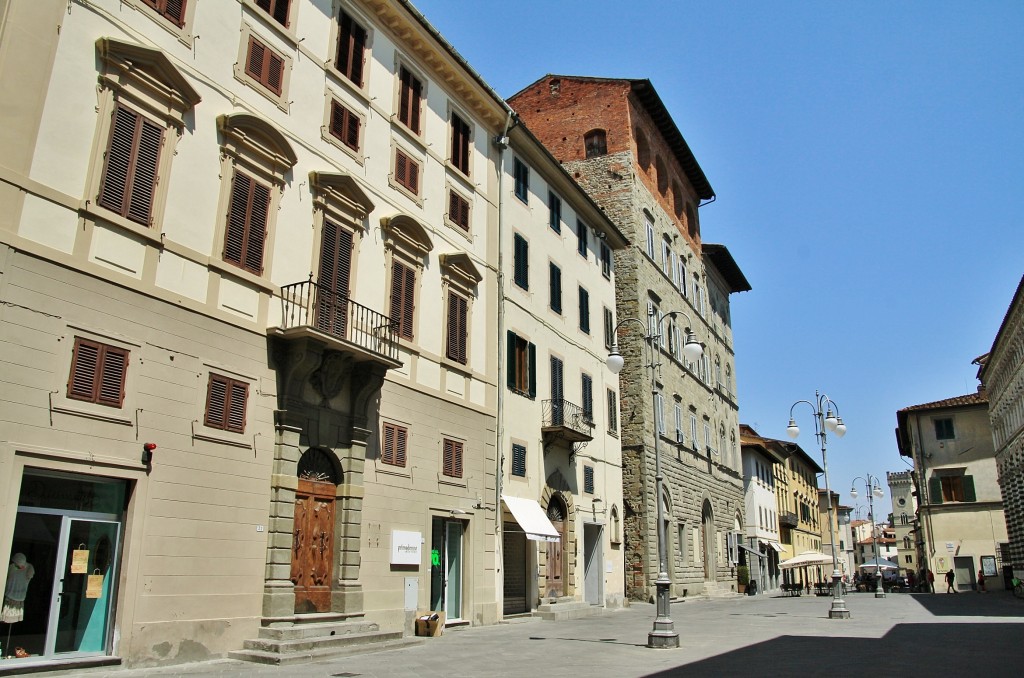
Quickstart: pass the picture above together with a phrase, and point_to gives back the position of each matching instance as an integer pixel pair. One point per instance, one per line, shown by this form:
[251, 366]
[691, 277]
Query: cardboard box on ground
[430, 624]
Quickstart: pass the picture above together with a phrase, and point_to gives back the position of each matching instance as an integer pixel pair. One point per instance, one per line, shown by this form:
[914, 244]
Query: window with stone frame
[521, 365]
[459, 278]
[172, 10]
[264, 65]
[452, 461]
[407, 244]
[458, 210]
[345, 125]
[406, 173]
[394, 444]
[588, 479]
[555, 287]
[521, 261]
[410, 100]
[278, 10]
[226, 400]
[143, 100]
[554, 212]
[521, 176]
[595, 142]
[351, 49]
[613, 412]
[460, 143]
[518, 460]
[98, 373]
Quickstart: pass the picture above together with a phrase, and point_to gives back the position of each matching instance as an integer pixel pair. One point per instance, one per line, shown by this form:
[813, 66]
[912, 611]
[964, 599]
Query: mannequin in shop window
[19, 574]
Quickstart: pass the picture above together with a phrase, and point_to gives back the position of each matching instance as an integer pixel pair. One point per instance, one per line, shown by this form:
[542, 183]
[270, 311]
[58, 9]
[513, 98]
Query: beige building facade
[250, 303]
[960, 510]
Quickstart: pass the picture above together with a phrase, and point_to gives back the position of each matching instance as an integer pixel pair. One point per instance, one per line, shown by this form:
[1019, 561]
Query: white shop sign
[405, 547]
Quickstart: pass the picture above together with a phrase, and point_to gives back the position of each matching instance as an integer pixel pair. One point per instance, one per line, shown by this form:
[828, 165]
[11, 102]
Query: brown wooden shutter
[275, 73]
[119, 160]
[403, 289]
[246, 231]
[98, 373]
[110, 389]
[407, 172]
[458, 210]
[394, 448]
[216, 401]
[351, 45]
[457, 311]
[460, 144]
[452, 458]
[333, 282]
[143, 180]
[401, 439]
[175, 11]
[409, 99]
[345, 125]
[238, 395]
[254, 60]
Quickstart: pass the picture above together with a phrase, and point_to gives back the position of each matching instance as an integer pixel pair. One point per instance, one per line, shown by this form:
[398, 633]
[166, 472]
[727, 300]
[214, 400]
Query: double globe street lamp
[826, 418]
[663, 634]
[873, 489]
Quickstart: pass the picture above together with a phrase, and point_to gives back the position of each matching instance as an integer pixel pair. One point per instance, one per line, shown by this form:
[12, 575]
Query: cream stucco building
[960, 511]
[249, 283]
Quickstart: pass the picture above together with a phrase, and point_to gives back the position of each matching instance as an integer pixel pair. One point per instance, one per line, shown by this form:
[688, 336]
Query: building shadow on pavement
[908, 649]
[972, 604]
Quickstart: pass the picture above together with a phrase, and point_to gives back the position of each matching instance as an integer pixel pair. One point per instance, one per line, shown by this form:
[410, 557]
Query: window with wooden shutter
[226, 400]
[521, 261]
[555, 212]
[403, 289]
[407, 172]
[521, 173]
[458, 311]
[587, 389]
[588, 479]
[460, 144]
[265, 66]
[452, 458]
[133, 157]
[582, 238]
[246, 231]
[172, 10]
[458, 210]
[613, 412]
[555, 285]
[98, 373]
[345, 125]
[351, 45]
[521, 369]
[278, 9]
[393, 450]
[585, 310]
[519, 460]
[410, 91]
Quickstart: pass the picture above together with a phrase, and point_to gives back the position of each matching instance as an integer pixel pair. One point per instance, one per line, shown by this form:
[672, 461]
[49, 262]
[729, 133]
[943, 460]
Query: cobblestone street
[966, 634]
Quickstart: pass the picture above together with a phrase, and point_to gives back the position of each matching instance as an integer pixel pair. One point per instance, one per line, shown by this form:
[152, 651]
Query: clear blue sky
[868, 159]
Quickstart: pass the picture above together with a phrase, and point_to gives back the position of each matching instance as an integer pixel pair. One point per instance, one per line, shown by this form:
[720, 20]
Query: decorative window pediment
[408, 234]
[458, 268]
[133, 68]
[249, 134]
[340, 190]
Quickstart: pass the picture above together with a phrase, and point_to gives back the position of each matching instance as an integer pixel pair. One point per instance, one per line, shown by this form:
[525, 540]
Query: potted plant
[742, 578]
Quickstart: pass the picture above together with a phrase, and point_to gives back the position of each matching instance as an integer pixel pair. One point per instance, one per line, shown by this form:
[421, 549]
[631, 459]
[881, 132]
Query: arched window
[678, 201]
[662, 175]
[596, 143]
[691, 222]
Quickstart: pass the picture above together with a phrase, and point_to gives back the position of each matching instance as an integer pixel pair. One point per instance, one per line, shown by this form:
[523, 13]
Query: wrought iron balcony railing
[307, 304]
[570, 417]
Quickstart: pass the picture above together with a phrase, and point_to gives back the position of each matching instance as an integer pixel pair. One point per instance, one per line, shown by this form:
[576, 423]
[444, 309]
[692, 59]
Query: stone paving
[902, 634]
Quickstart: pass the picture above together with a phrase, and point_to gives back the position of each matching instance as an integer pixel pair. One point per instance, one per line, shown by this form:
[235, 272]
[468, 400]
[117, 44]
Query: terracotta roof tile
[979, 398]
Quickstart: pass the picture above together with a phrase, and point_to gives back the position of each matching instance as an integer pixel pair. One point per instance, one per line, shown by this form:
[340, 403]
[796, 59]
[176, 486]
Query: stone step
[306, 644]
[313, 630]
[321, 653]
[567, 610]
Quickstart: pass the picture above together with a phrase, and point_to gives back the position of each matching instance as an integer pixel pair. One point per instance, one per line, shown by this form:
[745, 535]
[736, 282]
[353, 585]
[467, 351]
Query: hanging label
[80, 560]
[94, 589]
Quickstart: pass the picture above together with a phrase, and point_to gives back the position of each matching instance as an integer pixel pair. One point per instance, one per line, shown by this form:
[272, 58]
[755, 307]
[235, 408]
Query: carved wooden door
[554, 585]
[313, 546]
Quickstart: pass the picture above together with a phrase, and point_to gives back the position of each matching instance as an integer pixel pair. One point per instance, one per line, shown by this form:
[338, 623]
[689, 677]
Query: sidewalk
[968, 634]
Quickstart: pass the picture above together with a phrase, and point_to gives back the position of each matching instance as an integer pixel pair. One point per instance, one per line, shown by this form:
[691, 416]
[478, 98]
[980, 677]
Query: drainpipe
[928, 545]
[501, 143]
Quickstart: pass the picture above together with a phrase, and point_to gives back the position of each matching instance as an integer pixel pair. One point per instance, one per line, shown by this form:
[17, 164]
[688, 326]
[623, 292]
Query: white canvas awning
[774, 545]
[531, 518]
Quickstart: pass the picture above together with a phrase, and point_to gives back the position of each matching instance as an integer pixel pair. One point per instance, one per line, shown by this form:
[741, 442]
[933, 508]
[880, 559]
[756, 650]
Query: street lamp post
[826, 420]
[663, 635]
[873, 489]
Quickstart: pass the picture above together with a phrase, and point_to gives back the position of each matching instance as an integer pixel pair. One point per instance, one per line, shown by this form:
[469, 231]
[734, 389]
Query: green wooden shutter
[969, 492]
[935, 490]
[510, 360]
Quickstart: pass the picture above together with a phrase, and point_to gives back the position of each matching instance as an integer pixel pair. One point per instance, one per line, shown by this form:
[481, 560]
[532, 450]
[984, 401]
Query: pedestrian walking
[910, 579]
[981, 581]
[931, 581]
[950, 579]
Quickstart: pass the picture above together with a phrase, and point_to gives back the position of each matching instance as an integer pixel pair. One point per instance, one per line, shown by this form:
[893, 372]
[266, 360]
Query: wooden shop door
[313, 546]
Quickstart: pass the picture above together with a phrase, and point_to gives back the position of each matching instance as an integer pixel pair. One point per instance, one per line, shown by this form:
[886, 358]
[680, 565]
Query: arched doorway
[707, 538]
[312, 566]
[558, 514]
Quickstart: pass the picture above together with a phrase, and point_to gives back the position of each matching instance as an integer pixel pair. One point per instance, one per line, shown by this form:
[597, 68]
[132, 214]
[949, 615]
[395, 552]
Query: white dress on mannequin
[19, 573]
